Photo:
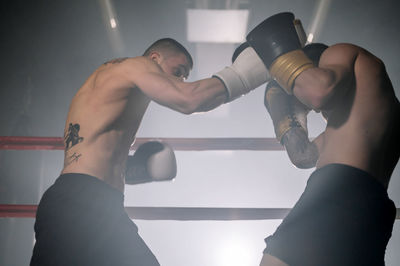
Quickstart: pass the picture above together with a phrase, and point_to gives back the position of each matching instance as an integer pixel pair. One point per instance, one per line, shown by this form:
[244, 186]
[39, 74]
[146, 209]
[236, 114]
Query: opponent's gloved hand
[152, 161]
[285, 110]
[245, 74]
[277, 42]
[289, 117]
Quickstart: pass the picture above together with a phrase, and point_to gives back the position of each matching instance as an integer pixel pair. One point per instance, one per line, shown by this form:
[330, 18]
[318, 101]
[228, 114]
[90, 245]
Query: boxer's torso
[363, 128]
[102, 122]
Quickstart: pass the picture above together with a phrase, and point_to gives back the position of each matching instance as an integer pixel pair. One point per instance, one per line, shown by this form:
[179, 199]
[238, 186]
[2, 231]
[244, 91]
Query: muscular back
[103, 119]
[363, 126]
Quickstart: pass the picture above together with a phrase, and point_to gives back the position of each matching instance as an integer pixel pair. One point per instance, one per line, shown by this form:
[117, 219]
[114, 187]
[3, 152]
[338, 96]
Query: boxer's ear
[155, 56]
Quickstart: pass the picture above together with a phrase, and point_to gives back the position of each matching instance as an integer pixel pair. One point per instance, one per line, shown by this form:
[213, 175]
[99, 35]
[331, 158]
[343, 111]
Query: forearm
[184, 97]
[315, 87]
[208, 94]
[322, 87]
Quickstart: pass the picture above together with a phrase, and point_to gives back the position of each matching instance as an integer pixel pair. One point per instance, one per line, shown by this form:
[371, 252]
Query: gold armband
[287, 67]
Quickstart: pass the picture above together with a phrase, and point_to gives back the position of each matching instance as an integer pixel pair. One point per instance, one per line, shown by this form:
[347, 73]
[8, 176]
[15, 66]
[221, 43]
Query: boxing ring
[162, 213]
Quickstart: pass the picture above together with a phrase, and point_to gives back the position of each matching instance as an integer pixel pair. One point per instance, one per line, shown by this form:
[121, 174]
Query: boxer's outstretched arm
[320, 86]
[173, 92]
[246, 73]
[184, 97]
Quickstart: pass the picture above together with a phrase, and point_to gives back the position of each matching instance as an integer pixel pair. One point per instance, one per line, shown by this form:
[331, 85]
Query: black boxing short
[344, 217]
[81, 221]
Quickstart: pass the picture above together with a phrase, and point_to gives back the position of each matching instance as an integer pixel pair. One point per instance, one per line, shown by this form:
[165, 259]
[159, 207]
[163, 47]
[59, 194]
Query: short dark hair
[170, 45]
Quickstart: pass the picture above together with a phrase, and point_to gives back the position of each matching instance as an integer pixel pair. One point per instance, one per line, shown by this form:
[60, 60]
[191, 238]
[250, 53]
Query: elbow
[186, 111]
[187, 105]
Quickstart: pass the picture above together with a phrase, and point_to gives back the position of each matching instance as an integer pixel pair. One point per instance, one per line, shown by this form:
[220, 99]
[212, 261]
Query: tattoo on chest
[116, 61]
[71, 137]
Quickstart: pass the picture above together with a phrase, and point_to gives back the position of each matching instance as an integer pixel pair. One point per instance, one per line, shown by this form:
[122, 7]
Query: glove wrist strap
[287, 67]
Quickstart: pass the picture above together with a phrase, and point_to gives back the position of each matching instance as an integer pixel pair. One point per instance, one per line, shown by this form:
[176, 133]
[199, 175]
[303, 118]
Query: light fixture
[217, 25]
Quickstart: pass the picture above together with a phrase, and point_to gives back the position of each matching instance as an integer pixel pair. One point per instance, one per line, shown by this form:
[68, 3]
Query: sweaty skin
[352, 86]
[106, 112]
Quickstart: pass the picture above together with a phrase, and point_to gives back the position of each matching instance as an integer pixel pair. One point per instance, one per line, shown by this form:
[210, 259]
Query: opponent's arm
[320, 87]
[276, 42]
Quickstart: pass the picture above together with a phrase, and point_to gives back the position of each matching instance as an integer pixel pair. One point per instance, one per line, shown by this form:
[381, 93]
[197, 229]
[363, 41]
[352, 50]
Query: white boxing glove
[153, 161]
[245, 74]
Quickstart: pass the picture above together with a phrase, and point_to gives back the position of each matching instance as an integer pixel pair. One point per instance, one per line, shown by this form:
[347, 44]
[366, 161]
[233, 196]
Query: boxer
[81, 218]
[344, 216]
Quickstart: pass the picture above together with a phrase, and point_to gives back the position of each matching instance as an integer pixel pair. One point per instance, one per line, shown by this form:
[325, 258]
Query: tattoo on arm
[71, 137]
[116, 61]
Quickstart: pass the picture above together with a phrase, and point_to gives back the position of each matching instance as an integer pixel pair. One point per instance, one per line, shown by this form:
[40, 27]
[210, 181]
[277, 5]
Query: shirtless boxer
[81, 218]
[344, 216]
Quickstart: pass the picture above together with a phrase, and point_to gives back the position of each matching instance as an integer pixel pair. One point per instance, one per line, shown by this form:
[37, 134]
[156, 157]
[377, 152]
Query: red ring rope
[172, 213]
[178, 144]
[160, 213]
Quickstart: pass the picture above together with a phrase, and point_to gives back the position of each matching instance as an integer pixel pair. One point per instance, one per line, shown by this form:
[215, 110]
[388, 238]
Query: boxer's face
[176, 65]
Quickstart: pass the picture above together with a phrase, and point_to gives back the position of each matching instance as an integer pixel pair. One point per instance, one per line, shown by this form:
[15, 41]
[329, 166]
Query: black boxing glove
[277, 42]
[152, 161]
